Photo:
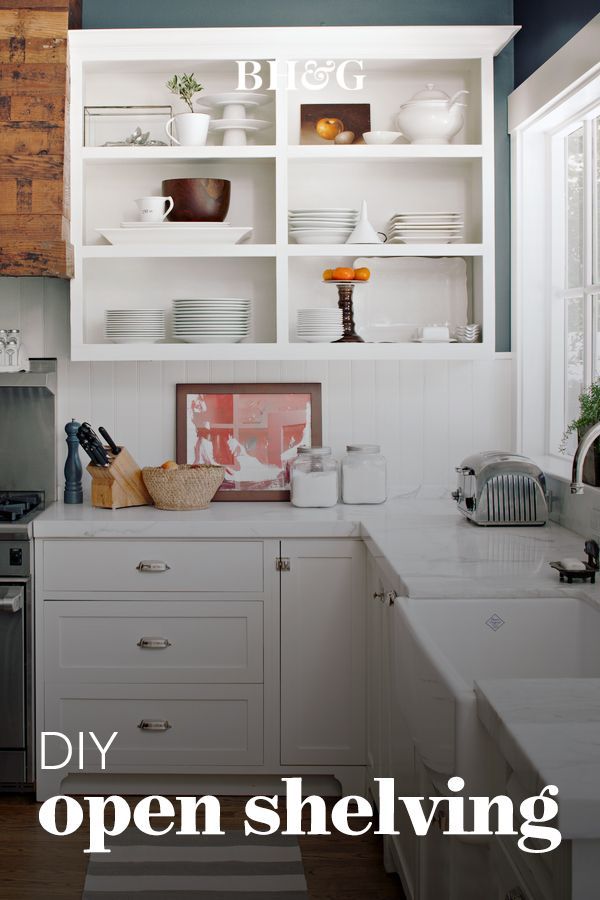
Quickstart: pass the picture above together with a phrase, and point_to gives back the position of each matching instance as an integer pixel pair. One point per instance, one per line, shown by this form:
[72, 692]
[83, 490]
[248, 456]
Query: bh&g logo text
[313, 77]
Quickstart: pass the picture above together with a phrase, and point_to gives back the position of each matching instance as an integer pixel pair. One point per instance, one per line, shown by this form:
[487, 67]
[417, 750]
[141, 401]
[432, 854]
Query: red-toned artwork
[253, 430]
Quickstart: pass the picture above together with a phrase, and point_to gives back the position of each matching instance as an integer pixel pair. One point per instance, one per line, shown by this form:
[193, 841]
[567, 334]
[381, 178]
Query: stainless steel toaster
[496, 488]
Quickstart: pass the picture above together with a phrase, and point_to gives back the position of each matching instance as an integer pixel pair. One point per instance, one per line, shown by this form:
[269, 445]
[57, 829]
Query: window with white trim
[574, 262]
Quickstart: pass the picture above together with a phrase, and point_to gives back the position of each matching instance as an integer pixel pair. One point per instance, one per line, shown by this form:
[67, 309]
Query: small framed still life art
[252, 430]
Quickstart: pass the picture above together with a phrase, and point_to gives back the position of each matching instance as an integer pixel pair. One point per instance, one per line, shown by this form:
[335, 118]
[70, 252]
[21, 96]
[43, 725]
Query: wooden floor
[37, 866]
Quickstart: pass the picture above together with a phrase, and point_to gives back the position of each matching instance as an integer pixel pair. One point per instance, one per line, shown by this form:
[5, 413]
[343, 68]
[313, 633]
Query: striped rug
[179, 867]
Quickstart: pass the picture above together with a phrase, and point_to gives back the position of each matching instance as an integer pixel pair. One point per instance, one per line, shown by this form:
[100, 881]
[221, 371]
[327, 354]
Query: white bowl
[381, 137]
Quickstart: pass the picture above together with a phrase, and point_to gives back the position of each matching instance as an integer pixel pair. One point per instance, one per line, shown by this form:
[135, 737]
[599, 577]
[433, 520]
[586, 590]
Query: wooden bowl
[198, 199]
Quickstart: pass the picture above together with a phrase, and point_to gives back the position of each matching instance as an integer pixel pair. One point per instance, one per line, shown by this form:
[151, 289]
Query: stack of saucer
[319, 326]
[134, 326]
[219, 320]
[468, 334]
[332, 225]
[425, 228]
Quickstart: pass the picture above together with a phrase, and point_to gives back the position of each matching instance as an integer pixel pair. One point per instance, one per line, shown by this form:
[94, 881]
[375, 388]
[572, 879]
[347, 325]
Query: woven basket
[188, 487]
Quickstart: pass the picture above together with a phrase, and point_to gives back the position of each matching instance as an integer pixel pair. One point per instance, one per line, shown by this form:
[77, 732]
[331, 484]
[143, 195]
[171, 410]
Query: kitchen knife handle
[114, 449]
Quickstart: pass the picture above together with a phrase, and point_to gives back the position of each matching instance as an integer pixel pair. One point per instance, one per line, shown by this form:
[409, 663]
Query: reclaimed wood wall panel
[34, 201]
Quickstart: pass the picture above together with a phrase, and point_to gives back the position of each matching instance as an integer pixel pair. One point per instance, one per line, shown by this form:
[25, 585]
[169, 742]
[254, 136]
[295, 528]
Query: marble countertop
[548, 730]
[422, 543]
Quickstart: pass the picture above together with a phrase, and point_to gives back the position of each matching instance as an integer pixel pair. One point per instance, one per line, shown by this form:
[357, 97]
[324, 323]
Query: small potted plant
[589, 414]
[191, 127]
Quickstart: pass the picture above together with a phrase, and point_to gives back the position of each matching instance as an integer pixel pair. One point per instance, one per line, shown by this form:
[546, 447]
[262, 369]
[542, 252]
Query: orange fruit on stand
[328, 275]
[343, 274]
[362, 274]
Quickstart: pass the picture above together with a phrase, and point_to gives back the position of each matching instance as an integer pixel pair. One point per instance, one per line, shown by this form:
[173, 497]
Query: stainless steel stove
[27, 484]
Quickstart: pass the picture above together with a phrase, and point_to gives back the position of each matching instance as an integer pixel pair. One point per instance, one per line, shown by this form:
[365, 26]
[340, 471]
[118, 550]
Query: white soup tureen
[431, 116]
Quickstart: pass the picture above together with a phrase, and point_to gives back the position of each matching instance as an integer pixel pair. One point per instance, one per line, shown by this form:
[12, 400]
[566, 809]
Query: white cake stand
[235, 123]
[235, 130]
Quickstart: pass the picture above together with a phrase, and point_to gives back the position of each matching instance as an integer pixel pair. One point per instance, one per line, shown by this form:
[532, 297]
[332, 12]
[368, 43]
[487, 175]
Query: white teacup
[152, 209]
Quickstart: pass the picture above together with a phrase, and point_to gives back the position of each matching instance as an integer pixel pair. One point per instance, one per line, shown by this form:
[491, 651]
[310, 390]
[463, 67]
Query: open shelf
[279, 173]
[353, 250]
[386, 151]
[173, 154]
[166, 251]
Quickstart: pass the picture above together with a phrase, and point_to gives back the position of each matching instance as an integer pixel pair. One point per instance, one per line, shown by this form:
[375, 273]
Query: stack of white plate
[468, 334]
[134, 326]
[332, 225]
[425, 228]
[219, 320]
[319, 326]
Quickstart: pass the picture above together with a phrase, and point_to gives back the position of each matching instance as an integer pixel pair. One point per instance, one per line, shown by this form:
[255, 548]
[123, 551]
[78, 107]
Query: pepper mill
[73, 488]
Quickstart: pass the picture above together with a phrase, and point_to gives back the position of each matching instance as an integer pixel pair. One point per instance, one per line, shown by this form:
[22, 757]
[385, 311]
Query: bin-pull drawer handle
[154, 725]
[152, 565]
[154, 643]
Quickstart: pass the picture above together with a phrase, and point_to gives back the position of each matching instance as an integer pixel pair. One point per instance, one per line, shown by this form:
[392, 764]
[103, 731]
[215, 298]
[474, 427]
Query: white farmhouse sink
[449, 644]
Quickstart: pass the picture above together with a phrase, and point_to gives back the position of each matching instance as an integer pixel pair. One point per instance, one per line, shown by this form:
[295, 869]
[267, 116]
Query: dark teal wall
[547, 25]
[225, 13]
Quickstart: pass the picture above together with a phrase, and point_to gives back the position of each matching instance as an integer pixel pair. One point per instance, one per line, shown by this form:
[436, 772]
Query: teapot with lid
[431, 116]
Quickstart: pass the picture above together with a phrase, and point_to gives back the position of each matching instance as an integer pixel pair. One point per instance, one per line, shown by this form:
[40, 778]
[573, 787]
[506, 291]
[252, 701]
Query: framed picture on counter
[253, 430]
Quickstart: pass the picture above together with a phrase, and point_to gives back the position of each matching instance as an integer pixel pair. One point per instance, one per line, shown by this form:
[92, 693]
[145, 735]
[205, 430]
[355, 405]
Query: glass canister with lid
[314, 478]
[364, 474]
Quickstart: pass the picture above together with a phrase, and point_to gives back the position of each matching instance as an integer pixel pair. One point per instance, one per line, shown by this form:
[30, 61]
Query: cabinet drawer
[107, 565]
[144, 641]
[205, 725]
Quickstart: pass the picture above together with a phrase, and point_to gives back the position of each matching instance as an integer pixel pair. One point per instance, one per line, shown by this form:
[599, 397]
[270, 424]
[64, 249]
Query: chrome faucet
[580, 454]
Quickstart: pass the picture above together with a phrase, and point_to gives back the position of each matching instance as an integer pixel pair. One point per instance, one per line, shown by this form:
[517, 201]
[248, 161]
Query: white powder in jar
[314, 488]
[362, 484]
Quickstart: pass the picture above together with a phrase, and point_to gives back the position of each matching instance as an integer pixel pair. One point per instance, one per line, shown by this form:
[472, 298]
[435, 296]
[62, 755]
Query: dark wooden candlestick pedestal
[345, 291]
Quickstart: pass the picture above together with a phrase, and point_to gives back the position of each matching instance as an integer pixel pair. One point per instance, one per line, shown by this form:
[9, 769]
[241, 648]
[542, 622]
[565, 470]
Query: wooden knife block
[120, 484]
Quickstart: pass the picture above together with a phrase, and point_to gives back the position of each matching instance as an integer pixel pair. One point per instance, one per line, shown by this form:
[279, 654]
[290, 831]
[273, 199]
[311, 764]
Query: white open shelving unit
[124, 67]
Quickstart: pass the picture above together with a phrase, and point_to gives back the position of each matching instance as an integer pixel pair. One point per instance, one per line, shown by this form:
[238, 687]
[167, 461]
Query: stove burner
[16, 504]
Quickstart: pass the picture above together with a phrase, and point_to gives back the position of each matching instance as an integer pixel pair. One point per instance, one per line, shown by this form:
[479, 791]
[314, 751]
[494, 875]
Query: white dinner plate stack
[468, 334]
[134, 326]
[332, 225]
[219, 320]
[425, 228]
[319, 326]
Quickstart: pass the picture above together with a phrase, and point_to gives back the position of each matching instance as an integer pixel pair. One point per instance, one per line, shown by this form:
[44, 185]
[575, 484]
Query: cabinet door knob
[379, 595]
[152, 566]
[153, 643]
[154, 725]
[390, 597]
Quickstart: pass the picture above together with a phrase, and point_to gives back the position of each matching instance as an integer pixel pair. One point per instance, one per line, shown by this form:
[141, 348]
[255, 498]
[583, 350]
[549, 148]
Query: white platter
[432, 341]
[315, 238]
[168, 235]
[237, 98]
[320, 340]
[135, 338]
[166, 224]
[322, 210]
[408, 292]
[213, 339]
[244, 124]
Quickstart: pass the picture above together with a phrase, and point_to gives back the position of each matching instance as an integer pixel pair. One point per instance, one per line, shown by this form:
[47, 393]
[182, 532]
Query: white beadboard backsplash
[426, 415]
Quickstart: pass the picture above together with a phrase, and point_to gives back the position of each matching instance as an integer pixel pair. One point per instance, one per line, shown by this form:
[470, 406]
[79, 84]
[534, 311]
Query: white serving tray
[408, 292]
[171, 234]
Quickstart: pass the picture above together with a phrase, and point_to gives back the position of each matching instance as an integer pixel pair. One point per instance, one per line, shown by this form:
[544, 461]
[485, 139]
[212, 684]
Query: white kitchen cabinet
[162, 725]
[390, 749]
[323, 653]
[276, 171]
[237, 670]
[199, 641]
[109, 565]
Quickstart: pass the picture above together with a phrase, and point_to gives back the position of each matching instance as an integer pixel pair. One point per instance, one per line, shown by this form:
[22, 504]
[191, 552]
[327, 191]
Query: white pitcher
[191, 128]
